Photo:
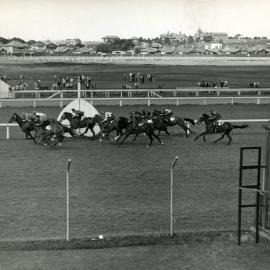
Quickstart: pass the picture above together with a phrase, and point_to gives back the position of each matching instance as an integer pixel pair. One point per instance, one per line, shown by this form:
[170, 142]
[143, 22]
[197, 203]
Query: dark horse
[225, 128]
[136, 129]
[117, 125]
[51, 134]
[26, 126]
[161, 123]
[87, 123]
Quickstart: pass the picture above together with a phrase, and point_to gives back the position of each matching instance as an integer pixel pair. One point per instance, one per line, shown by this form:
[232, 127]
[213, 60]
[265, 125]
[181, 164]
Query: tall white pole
[171, 202]
[67, 187]
[79, 92]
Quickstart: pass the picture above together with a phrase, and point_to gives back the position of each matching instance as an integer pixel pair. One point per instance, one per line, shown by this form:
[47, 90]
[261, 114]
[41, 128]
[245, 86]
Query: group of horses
[52, 132]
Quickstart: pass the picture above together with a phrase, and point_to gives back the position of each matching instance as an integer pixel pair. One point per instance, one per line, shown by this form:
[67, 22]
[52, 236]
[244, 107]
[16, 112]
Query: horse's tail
[240, 126]
[190, 121]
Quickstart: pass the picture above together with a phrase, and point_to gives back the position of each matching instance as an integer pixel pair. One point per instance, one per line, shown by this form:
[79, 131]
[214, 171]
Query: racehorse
[143, 127]
[117, 125]
[225, 128]
[162, 122]
[88, 123]
[26, 126]
[51, 134]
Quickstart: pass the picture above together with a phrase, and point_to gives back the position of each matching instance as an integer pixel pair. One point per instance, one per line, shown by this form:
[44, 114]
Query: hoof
[162, 143]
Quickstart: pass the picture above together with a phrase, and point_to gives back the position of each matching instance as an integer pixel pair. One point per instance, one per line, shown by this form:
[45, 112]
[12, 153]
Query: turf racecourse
[121, 191]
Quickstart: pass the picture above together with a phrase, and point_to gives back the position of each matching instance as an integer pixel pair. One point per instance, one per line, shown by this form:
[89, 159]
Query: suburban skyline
[92, 19]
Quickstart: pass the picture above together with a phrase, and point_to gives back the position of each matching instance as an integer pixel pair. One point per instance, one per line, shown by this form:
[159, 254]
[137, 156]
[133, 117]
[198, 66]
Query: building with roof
[217, 36]
[108, 39]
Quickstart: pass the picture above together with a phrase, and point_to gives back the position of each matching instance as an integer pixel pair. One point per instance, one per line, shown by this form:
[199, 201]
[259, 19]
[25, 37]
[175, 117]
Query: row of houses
[19, 48]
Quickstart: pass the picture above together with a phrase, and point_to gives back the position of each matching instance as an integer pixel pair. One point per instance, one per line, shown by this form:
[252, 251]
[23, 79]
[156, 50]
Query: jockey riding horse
[213, 126]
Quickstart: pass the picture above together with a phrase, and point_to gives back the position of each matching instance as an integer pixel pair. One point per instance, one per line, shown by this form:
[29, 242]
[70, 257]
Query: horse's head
[98, 118]
[203, 118]
[13, 118]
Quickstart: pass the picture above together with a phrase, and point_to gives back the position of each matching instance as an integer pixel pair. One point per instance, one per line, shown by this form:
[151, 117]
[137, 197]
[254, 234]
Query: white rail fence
[122, 97]
[106, 93]
[9, 125]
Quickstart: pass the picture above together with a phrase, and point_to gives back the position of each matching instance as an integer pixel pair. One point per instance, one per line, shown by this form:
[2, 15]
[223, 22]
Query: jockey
[166, 111]
[77, 114]
[145, 114]
[109, 118]
[166, 114]
[40, 118]
[214, 118]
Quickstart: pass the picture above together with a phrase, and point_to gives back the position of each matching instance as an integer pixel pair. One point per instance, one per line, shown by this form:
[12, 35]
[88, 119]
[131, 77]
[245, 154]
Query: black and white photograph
[135, 135]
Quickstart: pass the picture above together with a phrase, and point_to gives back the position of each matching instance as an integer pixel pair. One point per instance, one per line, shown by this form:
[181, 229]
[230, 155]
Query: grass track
[123, 190]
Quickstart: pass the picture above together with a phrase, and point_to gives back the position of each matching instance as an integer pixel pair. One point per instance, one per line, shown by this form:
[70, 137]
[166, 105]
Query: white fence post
[8, 132]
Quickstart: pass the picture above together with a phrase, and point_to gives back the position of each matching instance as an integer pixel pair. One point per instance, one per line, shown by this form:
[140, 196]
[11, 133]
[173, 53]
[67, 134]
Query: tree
[167, 41]
[207, 38]
[137, 50]
[190, 40]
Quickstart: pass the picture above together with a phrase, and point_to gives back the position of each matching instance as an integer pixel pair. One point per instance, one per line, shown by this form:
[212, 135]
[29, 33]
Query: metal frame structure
[254, 187]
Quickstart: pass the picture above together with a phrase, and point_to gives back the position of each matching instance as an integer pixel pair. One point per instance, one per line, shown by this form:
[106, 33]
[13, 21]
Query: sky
[93, 19]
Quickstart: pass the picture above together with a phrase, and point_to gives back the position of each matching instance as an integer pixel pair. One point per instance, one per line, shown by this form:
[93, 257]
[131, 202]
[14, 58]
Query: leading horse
[211, 128]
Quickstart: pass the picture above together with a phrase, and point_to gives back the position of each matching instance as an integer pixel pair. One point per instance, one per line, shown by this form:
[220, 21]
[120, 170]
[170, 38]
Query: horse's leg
[28, 134]
[197, 137]
[151, 139]
[136, 135]
[86, 130]
[166, 131]
[127, 134]
[156, 136]
[229, 137]
[181, 123]
[204, 138]
[222, 136]
[118, 134]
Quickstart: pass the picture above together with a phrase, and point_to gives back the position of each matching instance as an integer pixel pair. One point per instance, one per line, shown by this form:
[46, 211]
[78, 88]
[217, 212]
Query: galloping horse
[225, 128]
[87, 123]
[145, 127]
[161, 123]
[117, 125]
[26, 126]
